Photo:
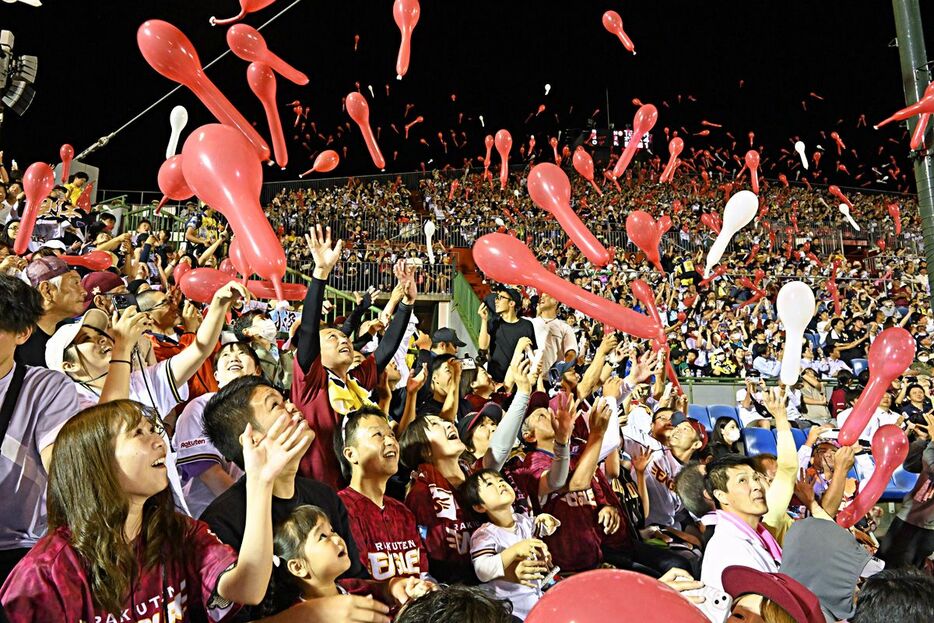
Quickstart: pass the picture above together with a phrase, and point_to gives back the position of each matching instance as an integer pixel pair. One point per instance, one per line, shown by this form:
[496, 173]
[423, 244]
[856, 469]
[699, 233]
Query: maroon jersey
[51, 584]
[387, 538]
[576, 544]
[445, 527]
[310, 395]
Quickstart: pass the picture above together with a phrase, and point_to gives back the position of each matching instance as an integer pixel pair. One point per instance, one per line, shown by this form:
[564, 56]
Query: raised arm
[400, 320]
[587, 465]
[505, 434]
[591, 377]
[307, 341]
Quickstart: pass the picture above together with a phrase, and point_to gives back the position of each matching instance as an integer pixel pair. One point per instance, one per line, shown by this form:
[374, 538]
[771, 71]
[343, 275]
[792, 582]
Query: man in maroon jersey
[324, 386]
[383, 528]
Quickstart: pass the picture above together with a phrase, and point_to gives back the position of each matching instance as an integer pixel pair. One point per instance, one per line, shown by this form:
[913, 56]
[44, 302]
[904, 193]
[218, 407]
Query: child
[506, 556]
[309, 557]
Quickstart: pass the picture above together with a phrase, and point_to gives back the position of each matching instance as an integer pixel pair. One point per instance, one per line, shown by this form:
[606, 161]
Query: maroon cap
[700, 430]
[45, 268]
[99, 282]
[785, 591]
[538, 400]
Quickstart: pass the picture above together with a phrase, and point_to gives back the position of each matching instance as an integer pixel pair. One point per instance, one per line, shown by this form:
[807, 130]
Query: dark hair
[288, 543]
[20, 305]
[717, 436]
[457, 604]
[690, 487]
[243, 347]
[718, 473]
[414, 446]
[80, 175]
[905, 594]
[244, 322]
[227, 414]
[758, 461]
[470, 489]
[344, 434]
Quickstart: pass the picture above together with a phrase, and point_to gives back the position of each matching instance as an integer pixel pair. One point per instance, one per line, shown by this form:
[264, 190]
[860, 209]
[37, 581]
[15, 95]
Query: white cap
[62, 339]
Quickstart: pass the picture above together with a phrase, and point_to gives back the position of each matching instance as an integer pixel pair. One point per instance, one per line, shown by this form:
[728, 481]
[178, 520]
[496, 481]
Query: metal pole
[915, 78]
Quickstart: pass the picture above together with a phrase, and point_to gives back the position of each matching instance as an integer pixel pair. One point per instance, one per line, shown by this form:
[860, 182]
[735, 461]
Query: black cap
[446, 335]
[514, 295]
[466, 424]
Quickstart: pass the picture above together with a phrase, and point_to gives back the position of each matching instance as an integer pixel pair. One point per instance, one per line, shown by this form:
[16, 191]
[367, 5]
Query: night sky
[495, 56]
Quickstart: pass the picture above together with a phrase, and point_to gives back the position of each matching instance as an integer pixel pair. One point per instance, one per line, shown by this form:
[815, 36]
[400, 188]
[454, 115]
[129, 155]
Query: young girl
[310, 556]
[725, 437]
[117, 550]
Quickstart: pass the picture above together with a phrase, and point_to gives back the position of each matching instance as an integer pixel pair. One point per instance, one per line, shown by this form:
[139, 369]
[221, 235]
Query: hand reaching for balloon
[607, 344]
[230, 294]
[416, 381]
[642, 368]
[324, 256]
[804, 487]
[563, 421]
[405, 274]
[599, 418]
[774, 401]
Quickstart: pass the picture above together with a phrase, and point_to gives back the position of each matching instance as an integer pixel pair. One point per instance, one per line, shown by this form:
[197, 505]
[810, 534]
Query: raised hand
[774, 401]
[405, 274]
[613, 387]
[324, 256]
[522, 377]
[609, 519]
[416, 381]
[599, 418]
[563, 421]
[607, 344]
[640, 462]
[285, 440]
[127, 327]
[231, 293]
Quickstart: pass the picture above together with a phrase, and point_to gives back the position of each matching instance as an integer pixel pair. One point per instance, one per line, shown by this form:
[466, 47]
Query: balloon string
[102, 141]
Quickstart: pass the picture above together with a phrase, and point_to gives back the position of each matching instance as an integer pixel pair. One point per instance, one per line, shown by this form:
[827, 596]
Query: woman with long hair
[725, 437]
[117, 549]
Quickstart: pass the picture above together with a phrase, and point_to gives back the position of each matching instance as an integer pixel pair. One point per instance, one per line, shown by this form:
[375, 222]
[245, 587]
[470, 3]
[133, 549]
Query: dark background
[496, 56]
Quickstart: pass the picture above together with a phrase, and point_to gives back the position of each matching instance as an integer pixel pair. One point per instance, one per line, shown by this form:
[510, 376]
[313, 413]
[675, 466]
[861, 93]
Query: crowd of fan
[165, 459]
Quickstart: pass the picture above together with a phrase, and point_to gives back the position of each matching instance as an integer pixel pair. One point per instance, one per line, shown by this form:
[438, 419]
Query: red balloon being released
[169, 52]
[238, 260]
[359, 111]
[326, 161]
[675, 147]
[489, 142]
[405, 13]
[38, 182]
[710, 220]
[67, 154]
[503, 142]
[246, 43]
[246, 6]
[583, 164]
[752, 161]
[180, 270]
[266, 290]
[217, 165]
[836, 192]
[550, 189]
[889, 449]
[896, 215]
[646, 233]
[172, 182]
[507, 260]
[614, 24]
[200, 284]
[890, 354]
[588, 597]
[95, 260]
[263, 84]
[644, 121]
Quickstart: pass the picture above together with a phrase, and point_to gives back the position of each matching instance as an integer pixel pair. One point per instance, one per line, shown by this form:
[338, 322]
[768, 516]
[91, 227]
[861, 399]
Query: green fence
[466, 303]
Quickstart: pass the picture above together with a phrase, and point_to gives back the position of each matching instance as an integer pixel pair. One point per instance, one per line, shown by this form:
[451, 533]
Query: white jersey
[486, 544]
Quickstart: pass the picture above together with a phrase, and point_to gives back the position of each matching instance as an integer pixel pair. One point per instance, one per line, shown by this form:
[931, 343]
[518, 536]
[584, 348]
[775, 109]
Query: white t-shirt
[556, 338]
[154, 387]
[747, 416]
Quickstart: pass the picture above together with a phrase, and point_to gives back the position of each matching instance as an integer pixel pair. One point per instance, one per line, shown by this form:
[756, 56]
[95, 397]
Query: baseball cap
[54, 244]
[99, 282]
[538, 400]
[678, 418]
[446, 335]
[466, 424]
[794, 597]
[45, 268]
[65, 335]
[513, 294]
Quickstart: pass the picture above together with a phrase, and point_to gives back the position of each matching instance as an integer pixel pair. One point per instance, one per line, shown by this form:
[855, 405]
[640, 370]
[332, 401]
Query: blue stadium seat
[758, 441]
[718, 411]
[859, 365]
[800, 436]
[699, 413]
[901, 485]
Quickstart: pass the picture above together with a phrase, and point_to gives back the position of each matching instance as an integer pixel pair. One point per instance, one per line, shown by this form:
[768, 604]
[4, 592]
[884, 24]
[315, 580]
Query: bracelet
[121, 361]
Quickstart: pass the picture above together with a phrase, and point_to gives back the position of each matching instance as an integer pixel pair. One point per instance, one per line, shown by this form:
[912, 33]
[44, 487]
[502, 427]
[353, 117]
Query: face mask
[731, 436]
[267, 330]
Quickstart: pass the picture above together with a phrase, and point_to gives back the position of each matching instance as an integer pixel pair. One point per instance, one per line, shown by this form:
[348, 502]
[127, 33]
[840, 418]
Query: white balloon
[178, 118]
[799, 147]
[499, 222]
[547, 88]
[482, 124]
[429, 232]
[795, 306]
[370, 87]
[845, 211]
[739, 211]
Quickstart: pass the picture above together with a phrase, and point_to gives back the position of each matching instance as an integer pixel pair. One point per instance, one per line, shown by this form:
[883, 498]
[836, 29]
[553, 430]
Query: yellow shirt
[74, 192]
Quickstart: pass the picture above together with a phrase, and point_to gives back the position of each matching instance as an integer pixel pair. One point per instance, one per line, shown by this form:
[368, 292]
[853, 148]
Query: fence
[433, 279]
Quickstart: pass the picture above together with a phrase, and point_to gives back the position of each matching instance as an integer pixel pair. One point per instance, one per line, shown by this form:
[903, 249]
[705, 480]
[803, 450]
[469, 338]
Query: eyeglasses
[504, 297]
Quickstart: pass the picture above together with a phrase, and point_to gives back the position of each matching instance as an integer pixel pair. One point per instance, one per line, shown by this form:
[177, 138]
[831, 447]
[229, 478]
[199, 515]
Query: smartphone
[123, 301]
[716, 603]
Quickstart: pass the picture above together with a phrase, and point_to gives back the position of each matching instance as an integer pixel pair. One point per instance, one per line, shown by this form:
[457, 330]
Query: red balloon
[583, 164]
[643, 121]
[238, 259]
[95, 260]
[783, 179]
[200, 284]
[226, 266]
[266, 290]
[889, 356]
[170, 53]
[38, 182]
[836, 192]
[752, 161]
[246, 6]
[896, 215]
[246, 43]
[172, 182]
[180, 269]
[646, 234]
[326, 161]
[675, 147]
[503, 142]
[925, 105]
[710, 220]
[488, 141]
[67, 154]
[405, 13]
[917, 137]
[614, 24]
[550, 189]
[359, 111]
[889, 449]
[218, 166]
[263, 84]
[84, 199]
[682, 316]
[507, 260]
[588, 597]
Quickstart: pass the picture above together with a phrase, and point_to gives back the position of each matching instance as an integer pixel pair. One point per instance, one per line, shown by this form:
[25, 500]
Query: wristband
[562, 450]
[121, 361]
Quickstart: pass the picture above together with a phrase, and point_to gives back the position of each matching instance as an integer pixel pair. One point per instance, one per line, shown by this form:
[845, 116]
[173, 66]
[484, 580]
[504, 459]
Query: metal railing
[432, 279]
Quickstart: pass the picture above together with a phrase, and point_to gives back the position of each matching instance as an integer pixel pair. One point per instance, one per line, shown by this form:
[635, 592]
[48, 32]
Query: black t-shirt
[858, 351]
[227, 518]
[503, 339]
[32, 351]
